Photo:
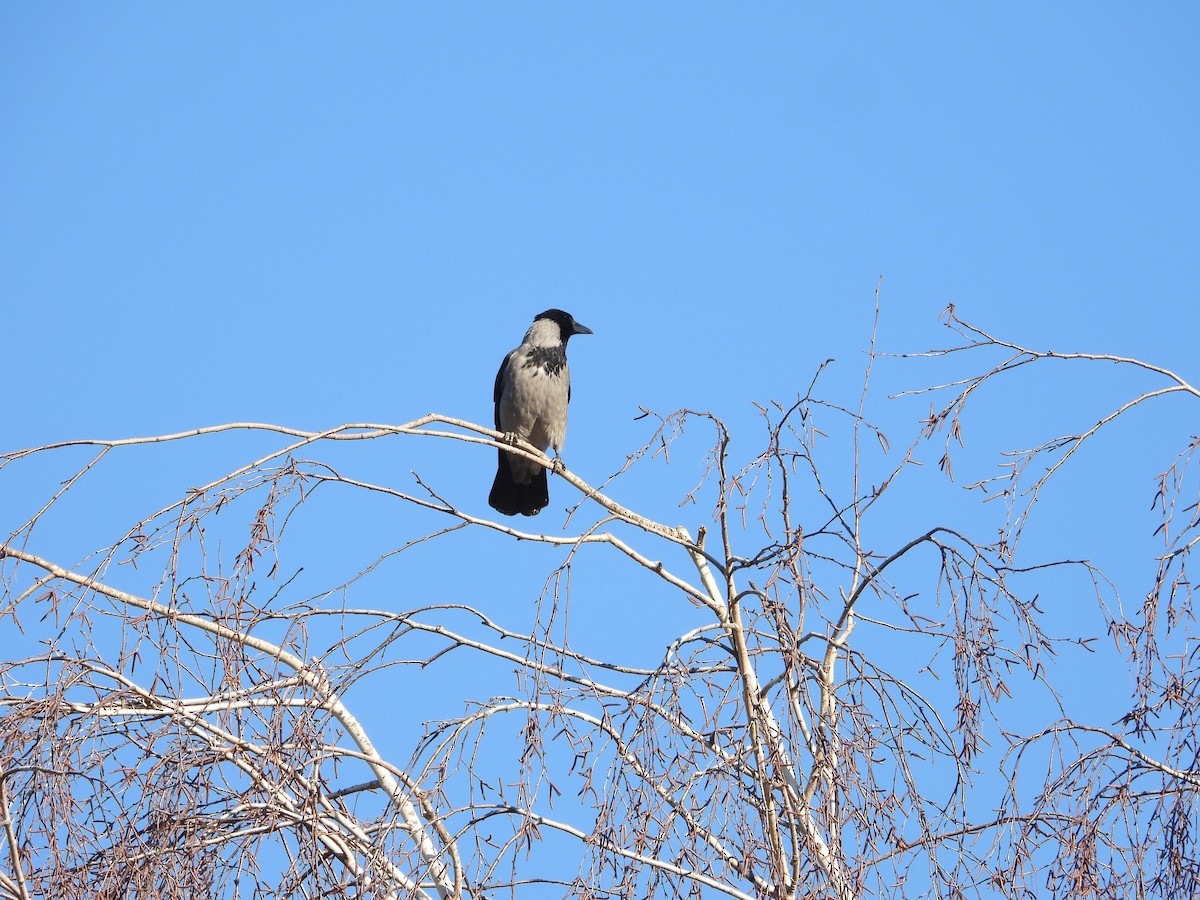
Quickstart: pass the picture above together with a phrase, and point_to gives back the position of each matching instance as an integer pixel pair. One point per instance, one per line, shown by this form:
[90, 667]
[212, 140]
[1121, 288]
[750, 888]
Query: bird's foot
[510, 437]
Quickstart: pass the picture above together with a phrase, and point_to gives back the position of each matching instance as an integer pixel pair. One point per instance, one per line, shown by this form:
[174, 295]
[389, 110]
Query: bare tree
[855, 702]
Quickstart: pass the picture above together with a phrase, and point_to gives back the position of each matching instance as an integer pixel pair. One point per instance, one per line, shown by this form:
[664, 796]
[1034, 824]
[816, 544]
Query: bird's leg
[557, 466]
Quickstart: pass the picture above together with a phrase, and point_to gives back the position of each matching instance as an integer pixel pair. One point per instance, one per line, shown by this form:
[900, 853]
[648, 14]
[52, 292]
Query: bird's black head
[566, 324]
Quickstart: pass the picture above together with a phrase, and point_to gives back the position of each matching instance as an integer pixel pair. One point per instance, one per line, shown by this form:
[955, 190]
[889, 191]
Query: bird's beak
[581, 329]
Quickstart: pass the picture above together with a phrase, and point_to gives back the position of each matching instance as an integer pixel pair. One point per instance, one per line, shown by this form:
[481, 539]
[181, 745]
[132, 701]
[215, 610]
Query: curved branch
[447, 884]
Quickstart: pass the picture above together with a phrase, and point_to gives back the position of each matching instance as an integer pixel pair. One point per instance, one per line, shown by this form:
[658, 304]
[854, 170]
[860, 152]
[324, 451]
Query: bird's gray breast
[533, 401]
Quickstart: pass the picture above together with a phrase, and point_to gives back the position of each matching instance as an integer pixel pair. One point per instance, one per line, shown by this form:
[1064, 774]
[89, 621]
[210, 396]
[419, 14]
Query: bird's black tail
[509, 498]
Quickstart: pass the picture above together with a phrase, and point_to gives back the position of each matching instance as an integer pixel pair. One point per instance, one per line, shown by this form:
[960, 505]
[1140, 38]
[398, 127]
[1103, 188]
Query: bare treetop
[850, 701]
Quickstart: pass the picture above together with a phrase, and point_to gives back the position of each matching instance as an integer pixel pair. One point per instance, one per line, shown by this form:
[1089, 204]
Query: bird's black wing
[499, 389]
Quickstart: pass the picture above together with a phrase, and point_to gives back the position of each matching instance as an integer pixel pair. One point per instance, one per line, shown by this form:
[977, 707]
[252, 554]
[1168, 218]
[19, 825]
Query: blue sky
[316, 214]
[316, 206]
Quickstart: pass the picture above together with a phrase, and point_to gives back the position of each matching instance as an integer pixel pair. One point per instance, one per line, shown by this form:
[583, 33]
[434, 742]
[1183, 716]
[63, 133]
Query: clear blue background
[344, 213]
[315, 214]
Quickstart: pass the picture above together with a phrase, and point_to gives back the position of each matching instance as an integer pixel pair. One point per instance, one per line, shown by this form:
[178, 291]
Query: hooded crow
[532, 390]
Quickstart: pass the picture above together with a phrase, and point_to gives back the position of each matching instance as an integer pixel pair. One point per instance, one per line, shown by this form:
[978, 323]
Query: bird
[532, 390]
